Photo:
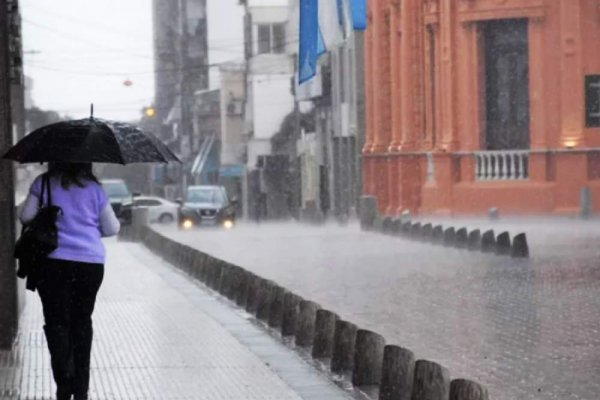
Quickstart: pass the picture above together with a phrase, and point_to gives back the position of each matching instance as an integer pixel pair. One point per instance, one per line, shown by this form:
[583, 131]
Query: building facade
[268, 101]
[181, 69]
[206, 142]
[473, 104]
[233, 137]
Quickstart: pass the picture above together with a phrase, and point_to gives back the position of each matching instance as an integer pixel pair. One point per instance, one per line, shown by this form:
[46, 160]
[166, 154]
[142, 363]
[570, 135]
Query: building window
[278, 38]
[431, 85]
[264, 39]
[271, 38]
[592, 101]
[507, 84]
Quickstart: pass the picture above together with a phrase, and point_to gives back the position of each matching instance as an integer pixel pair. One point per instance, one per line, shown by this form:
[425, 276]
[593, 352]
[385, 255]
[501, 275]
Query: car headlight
[187, 224]
[228, 224]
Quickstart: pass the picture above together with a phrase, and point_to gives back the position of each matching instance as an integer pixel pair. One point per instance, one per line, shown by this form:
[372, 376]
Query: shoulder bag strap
[49, 191]
[41, 199]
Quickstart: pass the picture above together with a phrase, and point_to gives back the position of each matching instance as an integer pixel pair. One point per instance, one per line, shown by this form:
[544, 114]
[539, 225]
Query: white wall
[272, 102]
[257, 147]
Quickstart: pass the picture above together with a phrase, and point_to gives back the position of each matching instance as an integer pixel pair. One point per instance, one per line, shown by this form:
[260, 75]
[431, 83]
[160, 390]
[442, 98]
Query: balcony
[502, 165]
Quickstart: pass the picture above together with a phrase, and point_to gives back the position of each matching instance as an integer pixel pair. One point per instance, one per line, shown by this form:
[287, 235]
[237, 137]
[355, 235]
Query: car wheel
[166, 219]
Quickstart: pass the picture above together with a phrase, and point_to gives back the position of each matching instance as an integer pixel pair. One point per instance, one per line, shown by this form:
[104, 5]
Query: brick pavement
[160, 336]
[526, 329]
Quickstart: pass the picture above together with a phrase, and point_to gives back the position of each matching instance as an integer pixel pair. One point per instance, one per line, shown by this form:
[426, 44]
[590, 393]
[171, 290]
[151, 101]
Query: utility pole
[8, 279]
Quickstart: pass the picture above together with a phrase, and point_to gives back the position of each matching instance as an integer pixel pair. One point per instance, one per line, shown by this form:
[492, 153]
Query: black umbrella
[90, 140]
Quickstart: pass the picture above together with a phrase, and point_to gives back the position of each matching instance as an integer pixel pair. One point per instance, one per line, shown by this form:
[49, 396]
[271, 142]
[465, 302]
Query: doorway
[506, 84]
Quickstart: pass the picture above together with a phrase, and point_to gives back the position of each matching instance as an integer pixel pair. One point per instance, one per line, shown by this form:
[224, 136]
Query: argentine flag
[324, 26]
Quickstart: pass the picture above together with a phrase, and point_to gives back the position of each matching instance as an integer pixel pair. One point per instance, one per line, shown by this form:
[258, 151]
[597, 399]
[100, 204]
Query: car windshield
[204, 195]
[116, 190]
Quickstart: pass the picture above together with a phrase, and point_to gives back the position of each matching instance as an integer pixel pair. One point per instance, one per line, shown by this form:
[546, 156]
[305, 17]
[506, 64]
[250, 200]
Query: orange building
[473, 104]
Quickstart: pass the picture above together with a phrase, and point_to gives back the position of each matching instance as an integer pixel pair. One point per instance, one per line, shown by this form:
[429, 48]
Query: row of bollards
[384, 372]
[461, 238]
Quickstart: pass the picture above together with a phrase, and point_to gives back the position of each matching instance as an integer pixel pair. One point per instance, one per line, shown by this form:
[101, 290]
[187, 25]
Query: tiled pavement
[526, 329]
[159, 336]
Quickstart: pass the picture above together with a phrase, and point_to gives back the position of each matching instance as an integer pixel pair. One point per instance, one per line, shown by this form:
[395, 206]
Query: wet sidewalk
[160, 336]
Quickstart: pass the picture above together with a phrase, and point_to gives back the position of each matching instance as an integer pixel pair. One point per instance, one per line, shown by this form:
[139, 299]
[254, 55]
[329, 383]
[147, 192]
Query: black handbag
[39, 237]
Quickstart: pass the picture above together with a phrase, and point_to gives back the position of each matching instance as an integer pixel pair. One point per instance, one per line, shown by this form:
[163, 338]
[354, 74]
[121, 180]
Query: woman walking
[70, 279]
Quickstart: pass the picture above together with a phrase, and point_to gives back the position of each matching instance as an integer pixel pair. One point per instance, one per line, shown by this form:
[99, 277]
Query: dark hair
[72, 173]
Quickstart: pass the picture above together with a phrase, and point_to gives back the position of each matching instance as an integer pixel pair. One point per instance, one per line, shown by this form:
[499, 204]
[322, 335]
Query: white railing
[502, 165]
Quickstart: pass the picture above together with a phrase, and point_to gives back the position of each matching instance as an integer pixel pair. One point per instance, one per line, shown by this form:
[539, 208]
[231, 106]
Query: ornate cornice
[482, 10]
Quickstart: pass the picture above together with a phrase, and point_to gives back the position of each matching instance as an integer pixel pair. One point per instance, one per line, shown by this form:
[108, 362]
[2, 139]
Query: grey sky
[89, 48]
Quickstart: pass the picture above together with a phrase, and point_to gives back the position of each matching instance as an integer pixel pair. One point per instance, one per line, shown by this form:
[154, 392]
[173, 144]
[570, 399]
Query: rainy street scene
[300, 200]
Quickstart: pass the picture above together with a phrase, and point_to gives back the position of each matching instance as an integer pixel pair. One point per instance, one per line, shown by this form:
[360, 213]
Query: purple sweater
[79, 230]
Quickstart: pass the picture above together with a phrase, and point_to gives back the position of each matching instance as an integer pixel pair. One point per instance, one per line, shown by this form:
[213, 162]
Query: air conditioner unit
[235, 108]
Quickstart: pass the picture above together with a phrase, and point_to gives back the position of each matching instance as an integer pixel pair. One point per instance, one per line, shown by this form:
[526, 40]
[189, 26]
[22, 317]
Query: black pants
[68, 292]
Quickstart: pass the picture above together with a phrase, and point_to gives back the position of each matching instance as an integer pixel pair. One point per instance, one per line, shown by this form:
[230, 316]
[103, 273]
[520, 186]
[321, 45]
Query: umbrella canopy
[90, 140]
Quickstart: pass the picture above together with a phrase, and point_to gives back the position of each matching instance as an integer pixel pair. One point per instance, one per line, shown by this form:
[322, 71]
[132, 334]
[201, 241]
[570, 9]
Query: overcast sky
[82, 51]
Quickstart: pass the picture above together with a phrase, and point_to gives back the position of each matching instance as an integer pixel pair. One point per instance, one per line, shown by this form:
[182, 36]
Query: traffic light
[150, 112]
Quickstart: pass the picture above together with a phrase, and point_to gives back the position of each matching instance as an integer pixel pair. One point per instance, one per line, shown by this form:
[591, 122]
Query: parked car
[159, 209]
[207, 206]
[120, 198]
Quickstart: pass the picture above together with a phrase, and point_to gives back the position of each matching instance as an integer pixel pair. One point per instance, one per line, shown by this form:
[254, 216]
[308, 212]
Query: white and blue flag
[325, 25]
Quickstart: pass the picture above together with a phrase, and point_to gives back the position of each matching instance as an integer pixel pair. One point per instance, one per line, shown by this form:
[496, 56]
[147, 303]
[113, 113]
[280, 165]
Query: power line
[82, 40]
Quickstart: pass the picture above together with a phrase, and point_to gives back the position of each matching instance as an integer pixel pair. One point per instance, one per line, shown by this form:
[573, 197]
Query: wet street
[526, 329]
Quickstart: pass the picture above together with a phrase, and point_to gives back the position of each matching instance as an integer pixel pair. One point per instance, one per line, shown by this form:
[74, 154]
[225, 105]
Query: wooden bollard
[276, 311]
[188, 259]
[437, 234]
[252, 293]
[474, 240]
[397, 373]
[264, 299]
[396, 227]
[205, 270]
[209, 267]
[415, 231]
[368, 358]
[406, 228]
[387, 225]
[217, 270]
[196, 266]
[181, 255]
[462, 238]
[503, 246]
[172, 252]
[242, 288]
[225, 279]
[234, 278]
[488, 242]
[449, 237]
[324, 334]
[427, 232]
[520, 248]
[231, 289]
[291, 308]
[431, 382]
[462, 389]
[305, 327]
[342, 359]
